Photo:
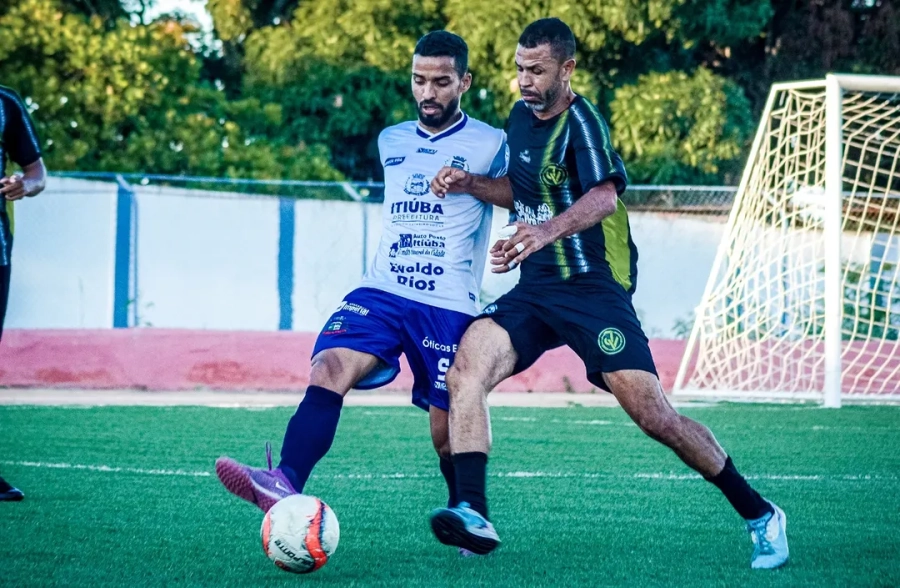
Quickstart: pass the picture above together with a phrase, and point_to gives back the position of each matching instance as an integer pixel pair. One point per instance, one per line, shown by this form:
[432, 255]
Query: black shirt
[18, 142]
[552, 164]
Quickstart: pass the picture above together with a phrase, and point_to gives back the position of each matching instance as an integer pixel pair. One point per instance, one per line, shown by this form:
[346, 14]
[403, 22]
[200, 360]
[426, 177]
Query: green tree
[301, 88]
[677, 128]
[129, 98]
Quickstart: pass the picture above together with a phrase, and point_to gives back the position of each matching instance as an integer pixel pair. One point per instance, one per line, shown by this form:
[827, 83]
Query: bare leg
[440, 431]
[440, 437]
[339, 369]
[485, 358]
[641, 396]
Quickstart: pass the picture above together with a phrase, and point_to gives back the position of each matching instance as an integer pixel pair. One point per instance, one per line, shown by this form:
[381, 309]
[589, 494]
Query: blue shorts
[386, 325]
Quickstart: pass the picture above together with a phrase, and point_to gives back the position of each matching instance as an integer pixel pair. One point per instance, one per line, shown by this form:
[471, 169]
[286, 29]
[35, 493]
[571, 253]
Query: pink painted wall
[169, 359]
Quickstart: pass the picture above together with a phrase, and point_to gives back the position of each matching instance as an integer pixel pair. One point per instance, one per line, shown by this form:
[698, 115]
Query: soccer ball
[299, 533]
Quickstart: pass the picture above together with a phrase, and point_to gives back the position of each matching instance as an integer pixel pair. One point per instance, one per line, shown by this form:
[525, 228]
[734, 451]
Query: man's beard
[440, 118]
[547, 99]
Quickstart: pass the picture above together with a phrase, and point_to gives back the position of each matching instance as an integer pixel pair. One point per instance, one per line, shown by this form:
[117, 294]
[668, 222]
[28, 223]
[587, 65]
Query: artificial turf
[126, 496]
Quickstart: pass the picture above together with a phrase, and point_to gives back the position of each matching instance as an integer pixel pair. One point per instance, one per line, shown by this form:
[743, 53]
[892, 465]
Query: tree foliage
[677, 128]
[130, 98]
[301, 88]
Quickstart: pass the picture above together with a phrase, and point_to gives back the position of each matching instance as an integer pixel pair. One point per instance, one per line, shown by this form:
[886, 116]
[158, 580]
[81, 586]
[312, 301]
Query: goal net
[804, 296]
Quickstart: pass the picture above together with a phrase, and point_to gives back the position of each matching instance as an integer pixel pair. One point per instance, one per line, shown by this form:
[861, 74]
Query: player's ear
[466, 82]
[568, 67]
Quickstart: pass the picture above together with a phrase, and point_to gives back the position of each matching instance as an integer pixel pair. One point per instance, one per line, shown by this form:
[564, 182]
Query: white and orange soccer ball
[300, 533]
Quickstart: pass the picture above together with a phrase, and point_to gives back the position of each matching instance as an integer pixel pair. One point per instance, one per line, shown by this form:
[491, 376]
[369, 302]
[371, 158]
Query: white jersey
[432, 249]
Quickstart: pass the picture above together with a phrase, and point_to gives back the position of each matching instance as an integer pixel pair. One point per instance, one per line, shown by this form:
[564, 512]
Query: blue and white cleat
[769, 536]
[464, 528]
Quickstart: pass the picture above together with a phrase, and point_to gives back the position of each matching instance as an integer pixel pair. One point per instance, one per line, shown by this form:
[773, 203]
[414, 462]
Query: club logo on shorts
[611, 341]
[554, 175]
[489, 309]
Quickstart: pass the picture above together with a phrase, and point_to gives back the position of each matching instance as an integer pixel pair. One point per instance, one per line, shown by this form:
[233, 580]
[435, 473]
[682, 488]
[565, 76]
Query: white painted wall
[63, 255]
[208, 260]
[675, 257]
[328, 258]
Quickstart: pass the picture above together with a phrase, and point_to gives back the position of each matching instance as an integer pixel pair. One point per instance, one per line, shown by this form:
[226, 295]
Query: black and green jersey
[552, 164]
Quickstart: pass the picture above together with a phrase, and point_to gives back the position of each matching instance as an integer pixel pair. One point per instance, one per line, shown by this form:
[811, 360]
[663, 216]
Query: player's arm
[603, 179]
[493, 188]
[22, 145]
[30, 183]
[451, 180]
[588, 211]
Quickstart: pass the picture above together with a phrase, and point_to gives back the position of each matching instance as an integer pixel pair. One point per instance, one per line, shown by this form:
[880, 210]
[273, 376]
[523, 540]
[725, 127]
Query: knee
[662, 426]
[442, 448]
[328, 371]
[460, 381]
[455, 376]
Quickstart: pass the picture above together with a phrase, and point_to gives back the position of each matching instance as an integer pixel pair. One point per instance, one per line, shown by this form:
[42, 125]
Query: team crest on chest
[554, 175]
[417, 185]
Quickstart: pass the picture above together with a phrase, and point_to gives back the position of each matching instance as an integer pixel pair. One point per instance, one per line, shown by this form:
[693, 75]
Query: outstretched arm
[452, 180]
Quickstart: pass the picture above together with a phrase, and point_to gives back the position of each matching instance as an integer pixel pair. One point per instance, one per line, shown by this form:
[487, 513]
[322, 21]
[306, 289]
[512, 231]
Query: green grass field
[579, 497]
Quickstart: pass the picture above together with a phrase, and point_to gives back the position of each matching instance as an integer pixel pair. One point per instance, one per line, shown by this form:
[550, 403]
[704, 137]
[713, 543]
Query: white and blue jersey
[433, 249]
[422, 289]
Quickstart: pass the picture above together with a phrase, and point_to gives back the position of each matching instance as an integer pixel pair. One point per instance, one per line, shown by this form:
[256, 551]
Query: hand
[13, 188]
[451, 180]
[507, 254]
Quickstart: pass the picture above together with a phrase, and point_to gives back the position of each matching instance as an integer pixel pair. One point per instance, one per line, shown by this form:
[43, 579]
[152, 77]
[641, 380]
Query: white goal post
[803, 300]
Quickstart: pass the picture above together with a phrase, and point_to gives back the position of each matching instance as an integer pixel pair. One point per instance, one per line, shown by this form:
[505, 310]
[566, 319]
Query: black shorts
[593, 316]
[4, 294]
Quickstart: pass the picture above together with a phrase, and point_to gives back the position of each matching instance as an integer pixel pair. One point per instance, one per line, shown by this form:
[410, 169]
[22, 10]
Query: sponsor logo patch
[413, 212]
[410, 275]
[351, 307]
[415, 244]
[533, 216]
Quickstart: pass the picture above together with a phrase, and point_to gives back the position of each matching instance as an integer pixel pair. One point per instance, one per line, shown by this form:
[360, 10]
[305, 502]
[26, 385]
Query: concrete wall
[204, 260]
[63, 254]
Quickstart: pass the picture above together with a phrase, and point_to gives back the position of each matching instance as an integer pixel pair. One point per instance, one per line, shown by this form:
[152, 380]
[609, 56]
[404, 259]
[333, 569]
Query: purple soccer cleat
[255, 485]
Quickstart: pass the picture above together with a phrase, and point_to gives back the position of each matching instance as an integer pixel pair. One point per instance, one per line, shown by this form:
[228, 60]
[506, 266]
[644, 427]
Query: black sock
[471, 480]
[449, 473]
[309, 434]
[745, 500]
[5, 487]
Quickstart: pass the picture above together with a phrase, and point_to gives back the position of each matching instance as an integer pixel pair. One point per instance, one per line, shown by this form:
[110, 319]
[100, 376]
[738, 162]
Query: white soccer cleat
[769, 536]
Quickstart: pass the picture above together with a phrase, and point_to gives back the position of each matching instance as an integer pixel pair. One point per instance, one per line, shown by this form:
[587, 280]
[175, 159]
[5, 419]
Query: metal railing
[710, 200]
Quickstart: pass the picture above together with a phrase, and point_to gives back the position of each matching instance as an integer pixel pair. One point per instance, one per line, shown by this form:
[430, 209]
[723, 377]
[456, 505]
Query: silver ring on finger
[520, 247]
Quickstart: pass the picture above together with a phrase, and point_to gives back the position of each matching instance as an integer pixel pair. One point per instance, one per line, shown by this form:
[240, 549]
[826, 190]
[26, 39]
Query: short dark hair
[445, 44]
[553, 32]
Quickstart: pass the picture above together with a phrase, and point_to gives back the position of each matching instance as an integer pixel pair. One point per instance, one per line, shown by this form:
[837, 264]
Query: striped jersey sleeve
[595, 157]
[20, 139]
[500, 163]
